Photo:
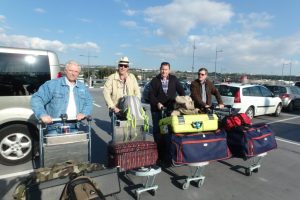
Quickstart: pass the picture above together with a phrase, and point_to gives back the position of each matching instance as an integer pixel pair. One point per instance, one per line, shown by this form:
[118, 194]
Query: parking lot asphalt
[277, 179]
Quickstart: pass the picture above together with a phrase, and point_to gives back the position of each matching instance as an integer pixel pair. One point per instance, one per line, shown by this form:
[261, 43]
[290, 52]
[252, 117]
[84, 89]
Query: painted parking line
[287, 141]
[97, 105]
[26, 172]
[282, 120]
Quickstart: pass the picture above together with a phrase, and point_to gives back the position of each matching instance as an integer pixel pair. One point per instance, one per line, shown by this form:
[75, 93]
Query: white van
[22, 71]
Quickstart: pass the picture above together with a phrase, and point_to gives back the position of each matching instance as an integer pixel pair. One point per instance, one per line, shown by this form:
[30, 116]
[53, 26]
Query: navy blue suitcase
[200, 147]
[249, 141]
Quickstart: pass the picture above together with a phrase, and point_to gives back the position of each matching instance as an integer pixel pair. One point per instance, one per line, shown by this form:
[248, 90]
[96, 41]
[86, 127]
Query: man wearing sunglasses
[202, 89]
[120, 84]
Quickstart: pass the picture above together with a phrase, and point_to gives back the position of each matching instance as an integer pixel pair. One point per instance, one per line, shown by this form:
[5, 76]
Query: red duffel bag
[232, 121]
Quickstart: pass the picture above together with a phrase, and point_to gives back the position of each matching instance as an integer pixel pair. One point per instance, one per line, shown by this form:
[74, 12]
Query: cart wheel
[137, 196]
[248, 172]
[200, 183]
[153, 192]
[185, 185]
[255, 170]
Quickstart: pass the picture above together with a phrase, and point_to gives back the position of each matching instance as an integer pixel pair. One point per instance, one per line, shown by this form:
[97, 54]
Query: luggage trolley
[68, 144]
[196, 175]
[196, 170]
[122, 132]
[255, 161]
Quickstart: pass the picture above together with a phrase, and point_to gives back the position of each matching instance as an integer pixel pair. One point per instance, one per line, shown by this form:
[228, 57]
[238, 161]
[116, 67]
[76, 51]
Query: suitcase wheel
[152, 192]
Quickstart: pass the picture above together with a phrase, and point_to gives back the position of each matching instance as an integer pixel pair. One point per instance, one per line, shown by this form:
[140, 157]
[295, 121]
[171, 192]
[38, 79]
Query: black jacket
[156, 93]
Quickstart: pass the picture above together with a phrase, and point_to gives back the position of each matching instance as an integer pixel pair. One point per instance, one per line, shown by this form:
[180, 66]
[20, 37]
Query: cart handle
[66, 120]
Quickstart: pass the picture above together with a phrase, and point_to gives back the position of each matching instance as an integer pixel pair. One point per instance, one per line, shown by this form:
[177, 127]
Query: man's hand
[221, 106]
[160, 106]
[207, 106]
[116, 110]
[80, 116]
[46, 119]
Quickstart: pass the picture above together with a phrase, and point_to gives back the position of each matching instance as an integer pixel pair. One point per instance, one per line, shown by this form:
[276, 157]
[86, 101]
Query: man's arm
[107, 91]
[39, 100]
[179, 88]
[87, 106]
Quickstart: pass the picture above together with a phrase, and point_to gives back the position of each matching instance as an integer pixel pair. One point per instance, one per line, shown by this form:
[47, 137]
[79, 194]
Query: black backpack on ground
[81, 188]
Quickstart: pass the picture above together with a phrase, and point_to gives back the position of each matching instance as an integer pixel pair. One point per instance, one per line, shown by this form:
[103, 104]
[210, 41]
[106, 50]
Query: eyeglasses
[200, 74]
[125, 66]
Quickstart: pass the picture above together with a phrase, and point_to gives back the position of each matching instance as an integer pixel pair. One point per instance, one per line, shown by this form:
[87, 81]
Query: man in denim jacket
[63, 95]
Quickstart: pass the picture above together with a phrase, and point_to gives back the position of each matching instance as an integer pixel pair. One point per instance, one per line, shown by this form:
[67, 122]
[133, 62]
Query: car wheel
[250, 112]
[291, 107]
[278, 110]
[15, 144]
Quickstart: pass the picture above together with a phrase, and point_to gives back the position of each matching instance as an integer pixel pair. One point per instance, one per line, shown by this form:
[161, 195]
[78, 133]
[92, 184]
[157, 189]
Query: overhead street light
[217, 51]
[88, 57]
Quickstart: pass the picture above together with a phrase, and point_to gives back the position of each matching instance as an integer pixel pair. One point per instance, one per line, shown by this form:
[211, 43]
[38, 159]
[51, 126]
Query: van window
[22, 74]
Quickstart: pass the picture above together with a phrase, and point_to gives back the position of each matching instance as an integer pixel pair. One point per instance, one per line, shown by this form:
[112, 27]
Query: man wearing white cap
[120, 84]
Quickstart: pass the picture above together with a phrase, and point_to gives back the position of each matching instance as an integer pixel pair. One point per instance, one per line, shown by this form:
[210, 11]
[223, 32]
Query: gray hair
[74, 63]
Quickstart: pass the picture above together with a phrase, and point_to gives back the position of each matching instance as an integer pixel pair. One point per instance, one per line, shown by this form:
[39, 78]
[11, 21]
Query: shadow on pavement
[99, 149]
[104, 125]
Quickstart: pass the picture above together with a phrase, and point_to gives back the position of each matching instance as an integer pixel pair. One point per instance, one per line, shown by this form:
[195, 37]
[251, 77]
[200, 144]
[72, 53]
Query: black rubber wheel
[291, 107]
[250, 112]
[200, 183]
[185, 186]
[255, 170]
[15, 144]
[278, 110]
[248, 172]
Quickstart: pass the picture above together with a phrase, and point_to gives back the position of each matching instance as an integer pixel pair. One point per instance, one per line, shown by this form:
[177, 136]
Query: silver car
[290, 95]
[22, 71]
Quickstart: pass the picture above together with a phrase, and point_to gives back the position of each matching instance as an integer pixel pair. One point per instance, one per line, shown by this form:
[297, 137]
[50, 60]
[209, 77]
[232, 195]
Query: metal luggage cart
[150, 172]
[196, 175]
[66, 145]
[255, 164]
[255, 161]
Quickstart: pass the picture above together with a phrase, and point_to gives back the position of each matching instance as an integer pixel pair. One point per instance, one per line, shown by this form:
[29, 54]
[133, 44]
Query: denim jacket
[53, 96]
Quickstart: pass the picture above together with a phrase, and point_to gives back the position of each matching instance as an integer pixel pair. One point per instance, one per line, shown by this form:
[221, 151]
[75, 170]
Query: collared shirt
[71, 109]
[165, 84]
[203, 94]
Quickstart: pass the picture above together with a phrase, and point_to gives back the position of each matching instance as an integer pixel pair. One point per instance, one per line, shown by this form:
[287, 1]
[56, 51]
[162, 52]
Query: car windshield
[226, 90]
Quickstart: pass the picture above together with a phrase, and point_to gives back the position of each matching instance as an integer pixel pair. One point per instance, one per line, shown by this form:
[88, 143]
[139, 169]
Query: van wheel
[15, 144]
[250, 112]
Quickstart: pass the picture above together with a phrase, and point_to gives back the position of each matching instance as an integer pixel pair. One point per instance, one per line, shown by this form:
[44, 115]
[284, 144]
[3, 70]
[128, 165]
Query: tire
[15, 144]
[250, 112]
[278, 110]
[291, 107]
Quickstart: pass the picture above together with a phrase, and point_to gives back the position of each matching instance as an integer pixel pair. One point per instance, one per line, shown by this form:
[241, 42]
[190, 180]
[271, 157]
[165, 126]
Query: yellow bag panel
[188, 123]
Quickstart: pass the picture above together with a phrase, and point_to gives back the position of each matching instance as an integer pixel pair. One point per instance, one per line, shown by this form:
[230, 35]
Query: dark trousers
[156, 116]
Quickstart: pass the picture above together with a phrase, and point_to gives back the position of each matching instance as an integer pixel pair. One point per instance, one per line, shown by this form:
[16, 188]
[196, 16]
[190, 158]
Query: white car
[253, 100]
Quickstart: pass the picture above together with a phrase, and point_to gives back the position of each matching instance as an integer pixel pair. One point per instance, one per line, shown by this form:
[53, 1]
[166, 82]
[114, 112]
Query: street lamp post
[88, 57]
[194, 48]
[290, 73]
[217, 51]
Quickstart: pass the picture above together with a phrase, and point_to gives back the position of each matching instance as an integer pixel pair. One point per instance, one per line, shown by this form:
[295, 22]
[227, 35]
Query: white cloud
[40, 10]
[179, 17]
[125, 45]
[130, 12]
[2, 18]
[255, 20]
[129, 24]
[39, 43]
[84, 20]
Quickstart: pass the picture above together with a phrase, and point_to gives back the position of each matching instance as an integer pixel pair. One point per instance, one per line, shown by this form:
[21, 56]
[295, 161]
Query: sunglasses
[200, 74]
[125, 66]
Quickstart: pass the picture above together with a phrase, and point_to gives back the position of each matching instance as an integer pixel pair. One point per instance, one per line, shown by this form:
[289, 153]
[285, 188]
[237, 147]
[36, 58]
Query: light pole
[290, 73]
[88, 57]
[194, 48]
[217, 51]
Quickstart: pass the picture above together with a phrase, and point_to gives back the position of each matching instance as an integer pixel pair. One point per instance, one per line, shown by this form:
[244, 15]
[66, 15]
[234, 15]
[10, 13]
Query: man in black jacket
[163, 90]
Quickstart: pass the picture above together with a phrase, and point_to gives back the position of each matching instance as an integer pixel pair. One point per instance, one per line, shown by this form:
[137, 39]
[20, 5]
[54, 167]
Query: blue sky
[250, 36]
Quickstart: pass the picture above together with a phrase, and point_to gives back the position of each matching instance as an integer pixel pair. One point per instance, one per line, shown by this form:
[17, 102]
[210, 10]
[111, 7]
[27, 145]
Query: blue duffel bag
[252, 140]
[200, 147]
